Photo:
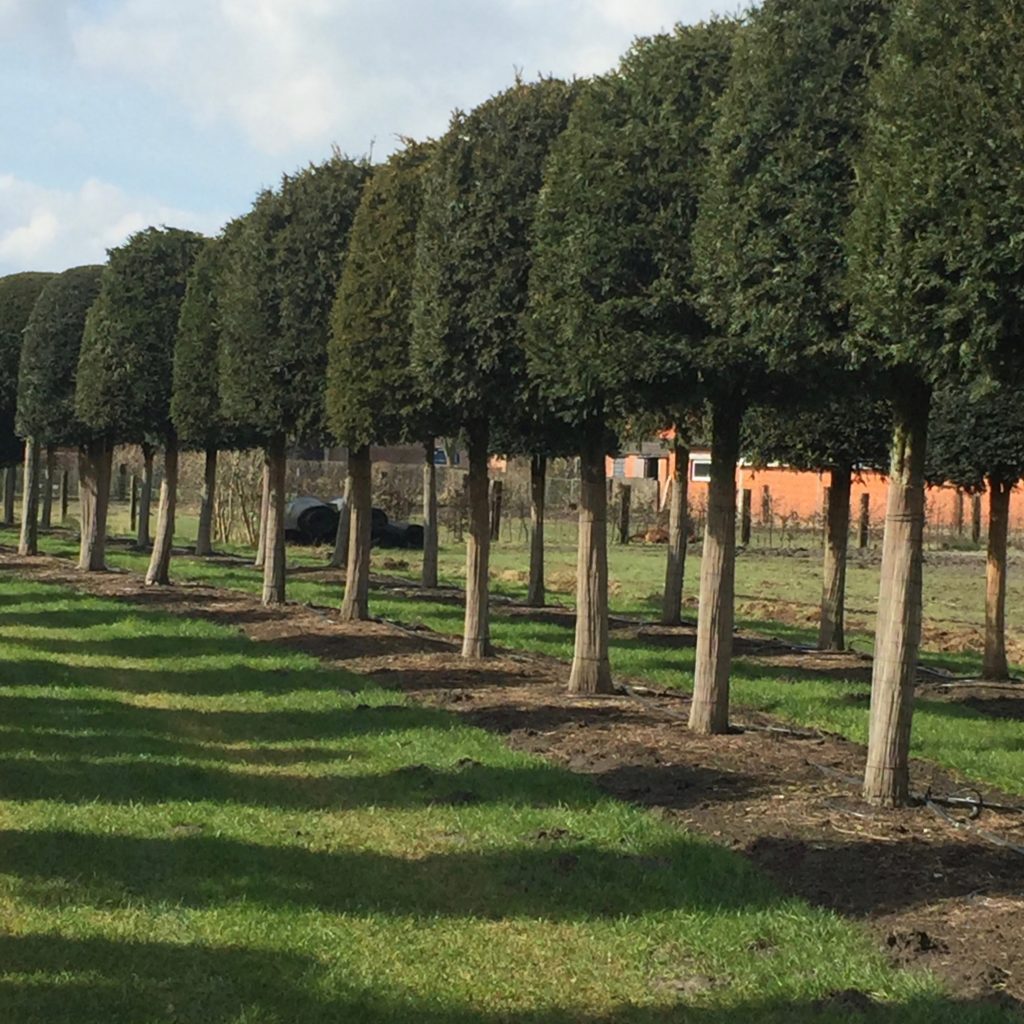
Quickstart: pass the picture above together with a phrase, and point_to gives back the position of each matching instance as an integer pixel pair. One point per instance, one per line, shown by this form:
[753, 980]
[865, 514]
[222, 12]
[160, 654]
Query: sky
[120, 114]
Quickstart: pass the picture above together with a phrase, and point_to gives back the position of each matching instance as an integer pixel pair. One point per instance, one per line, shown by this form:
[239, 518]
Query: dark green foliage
[279, 289]
[937, 252]
[126, 363]
[195, 401]
[373, 394]
[474, 253]
[49, 358]
[18, 294]
[615, 331]
[780, 187]
[842, 432]
[972, 437]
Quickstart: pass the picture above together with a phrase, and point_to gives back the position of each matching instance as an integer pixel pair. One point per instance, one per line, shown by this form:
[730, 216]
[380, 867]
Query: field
[215, 814]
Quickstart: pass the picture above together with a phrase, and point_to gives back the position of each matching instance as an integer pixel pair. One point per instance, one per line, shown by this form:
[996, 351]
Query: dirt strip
[936, 895]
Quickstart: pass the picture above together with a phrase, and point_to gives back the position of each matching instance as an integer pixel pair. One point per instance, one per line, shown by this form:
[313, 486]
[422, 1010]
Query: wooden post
[625, 498]
[65, 486]
[865, 521]
[976, 518]
[496, 489]
[745, 522]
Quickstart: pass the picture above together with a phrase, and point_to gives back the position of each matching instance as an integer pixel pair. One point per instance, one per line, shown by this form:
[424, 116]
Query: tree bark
[261, 547]
[204, 534]
[94, 462]
[497, 487]
[145, 497]
[49, 475]
[356, 605]
[709, 713]
[339, 558]
[994, 665]
[65, 488]
[898, 630]
[28, 542]
[476, 639]
[831, 632]
[10, 490]
[675, 564]
[430, 537]
[535, 595]
[159, 571]
[625, 499]
[591, 670]
[274, 550]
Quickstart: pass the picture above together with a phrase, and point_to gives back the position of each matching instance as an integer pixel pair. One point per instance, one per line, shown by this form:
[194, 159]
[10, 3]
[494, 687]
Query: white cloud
[51, 229]
[300, 74]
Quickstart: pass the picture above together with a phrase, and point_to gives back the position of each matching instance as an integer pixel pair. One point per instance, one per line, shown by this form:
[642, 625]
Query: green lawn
[195, 828]
[963, 740]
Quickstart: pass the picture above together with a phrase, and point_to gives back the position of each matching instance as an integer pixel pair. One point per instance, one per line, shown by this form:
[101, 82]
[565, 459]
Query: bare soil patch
[935, 895]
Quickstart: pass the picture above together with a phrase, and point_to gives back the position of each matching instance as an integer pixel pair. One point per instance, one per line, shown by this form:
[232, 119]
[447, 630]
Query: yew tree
[373, 394]
[472, 270]
[770, 253]
[615, 332]
[840, 436]
[18, 294]
[278, 292]
[47, 374]
[123, 391]
[976, 441]
[937, 275]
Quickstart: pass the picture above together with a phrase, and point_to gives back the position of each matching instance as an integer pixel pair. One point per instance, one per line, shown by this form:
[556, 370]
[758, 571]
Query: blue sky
[118, 114]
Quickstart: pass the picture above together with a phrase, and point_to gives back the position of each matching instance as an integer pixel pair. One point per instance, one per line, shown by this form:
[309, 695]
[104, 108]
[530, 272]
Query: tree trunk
[429, 578]
[675, 565]
[65, 496]
[145, 497]
[476, 639]
[898, 630]
[863, 535]
[709, 713]
[339, 558]
[831, 633]
[994, 664]
[535, 595]
[356, 605]
[274, 551]
[591, 670]
[10, 490]
[497, 487]
[160, 560]
[49, 476]
[976, 518]
[625, 498]
[94, 462]
[261, 547]
[204, 534]
[28, 543]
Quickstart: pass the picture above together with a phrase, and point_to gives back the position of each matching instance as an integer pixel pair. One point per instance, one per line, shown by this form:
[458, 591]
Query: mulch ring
[935, 891]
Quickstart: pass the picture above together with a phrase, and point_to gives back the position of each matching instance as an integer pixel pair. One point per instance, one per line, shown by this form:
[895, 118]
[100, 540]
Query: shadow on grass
[49, 978]
[553, 881]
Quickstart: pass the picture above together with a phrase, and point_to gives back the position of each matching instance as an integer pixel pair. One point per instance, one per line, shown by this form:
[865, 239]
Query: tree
[373, 394]
[278, 292]
[472, 270]
[18, 294]
[769, 241]
[48, 370]
[125, 368]
[840, 437]
[195, 399]
[615, 332]
[976, 441]
[937, 275]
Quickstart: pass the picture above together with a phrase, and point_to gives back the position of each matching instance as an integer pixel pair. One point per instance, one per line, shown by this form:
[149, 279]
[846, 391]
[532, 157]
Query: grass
[196, 828]
[963, 740]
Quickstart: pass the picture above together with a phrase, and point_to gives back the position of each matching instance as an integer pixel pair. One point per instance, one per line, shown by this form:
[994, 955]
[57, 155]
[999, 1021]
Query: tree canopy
[277, 298]
[18, 294]
[126, 362]
[373, 393]
[49, 358]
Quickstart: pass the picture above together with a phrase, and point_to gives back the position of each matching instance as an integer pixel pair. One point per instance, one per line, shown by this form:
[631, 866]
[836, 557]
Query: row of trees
[781, 213]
